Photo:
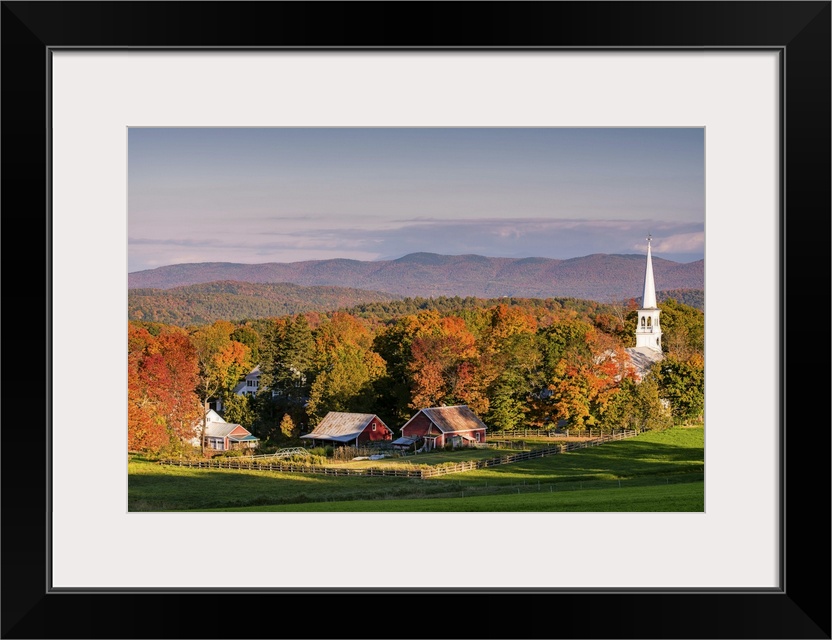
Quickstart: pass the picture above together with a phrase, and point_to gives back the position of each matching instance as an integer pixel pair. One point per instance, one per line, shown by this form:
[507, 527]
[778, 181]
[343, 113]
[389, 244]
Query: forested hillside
[235, 301]
[515, 362]
[692, 297]
[238, 301]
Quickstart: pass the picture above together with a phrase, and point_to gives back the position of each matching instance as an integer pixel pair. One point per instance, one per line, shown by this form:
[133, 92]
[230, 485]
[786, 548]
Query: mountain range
[599, 277]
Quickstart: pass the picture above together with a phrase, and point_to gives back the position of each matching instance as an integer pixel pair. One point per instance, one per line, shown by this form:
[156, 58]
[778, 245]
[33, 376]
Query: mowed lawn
[664, 498]
[151, 487]
[675, 451]
[649, 458]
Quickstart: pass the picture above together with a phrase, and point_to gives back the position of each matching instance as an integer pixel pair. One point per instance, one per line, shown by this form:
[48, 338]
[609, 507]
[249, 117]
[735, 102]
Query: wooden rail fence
[544, 433]
[526, 455]
[263, 465]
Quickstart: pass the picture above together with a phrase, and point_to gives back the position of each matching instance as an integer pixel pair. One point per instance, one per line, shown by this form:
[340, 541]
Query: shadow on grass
[174, 489]
[613, 460]
[153, 487]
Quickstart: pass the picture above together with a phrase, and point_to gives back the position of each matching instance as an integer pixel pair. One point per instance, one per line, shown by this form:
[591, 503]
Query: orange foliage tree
[444, 357]
[162, 375]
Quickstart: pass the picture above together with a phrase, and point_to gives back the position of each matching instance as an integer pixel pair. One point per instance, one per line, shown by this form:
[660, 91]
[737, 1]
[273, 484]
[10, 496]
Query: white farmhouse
[221, 435]
[250, 384]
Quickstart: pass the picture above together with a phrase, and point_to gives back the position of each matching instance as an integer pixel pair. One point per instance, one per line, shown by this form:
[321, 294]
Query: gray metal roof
[404, 440]
[343, 426]
[220, 429]
[643, 358]
[313, 436]
[451, 419]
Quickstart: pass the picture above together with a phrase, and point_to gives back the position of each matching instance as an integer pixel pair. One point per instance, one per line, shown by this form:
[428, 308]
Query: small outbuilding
[405, 444]
[457, 426]
[350, 428]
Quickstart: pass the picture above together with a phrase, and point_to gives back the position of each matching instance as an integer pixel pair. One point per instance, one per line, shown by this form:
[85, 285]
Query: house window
[374, 426]
[477, 436]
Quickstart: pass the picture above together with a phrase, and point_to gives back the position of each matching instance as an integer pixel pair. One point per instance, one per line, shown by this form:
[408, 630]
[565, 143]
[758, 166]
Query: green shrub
[231, 453]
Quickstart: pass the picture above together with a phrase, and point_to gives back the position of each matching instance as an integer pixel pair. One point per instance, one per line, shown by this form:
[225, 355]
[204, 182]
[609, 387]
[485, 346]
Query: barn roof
[342, 427]
[451, 419]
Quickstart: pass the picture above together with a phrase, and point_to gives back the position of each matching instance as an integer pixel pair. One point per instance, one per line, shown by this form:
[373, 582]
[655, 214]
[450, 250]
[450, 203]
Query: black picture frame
[800, 31]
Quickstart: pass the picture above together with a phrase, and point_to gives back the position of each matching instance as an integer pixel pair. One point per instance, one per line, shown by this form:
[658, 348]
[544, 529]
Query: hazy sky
[283, 195]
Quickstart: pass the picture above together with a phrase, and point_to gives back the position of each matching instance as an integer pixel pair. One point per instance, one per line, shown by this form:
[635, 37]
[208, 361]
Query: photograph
[416, 319]
[416, 316]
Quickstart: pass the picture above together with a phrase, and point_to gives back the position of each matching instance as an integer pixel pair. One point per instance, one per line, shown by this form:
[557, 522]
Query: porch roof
[245, 438]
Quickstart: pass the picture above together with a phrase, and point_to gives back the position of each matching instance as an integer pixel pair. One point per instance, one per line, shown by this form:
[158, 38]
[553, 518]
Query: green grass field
[656, 472]
[672, 497]
[668, 452]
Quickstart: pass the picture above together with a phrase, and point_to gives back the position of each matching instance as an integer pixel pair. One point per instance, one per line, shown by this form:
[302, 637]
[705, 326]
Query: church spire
[648, 300]
[648, 331]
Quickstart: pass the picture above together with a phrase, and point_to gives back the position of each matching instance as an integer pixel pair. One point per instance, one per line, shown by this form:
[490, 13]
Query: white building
[221, 435]
[648, 349]
[250, 384]
[648, 331]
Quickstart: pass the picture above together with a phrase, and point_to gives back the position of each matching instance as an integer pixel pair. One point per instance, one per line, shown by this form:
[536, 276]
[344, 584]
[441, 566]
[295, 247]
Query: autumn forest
[542, 363]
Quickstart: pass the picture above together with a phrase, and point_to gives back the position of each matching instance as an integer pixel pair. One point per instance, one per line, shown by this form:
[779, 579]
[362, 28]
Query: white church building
[648, 349]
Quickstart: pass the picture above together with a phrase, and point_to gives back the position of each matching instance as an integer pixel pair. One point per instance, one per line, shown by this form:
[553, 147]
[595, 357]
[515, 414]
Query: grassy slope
[668, 498]
[651, 455]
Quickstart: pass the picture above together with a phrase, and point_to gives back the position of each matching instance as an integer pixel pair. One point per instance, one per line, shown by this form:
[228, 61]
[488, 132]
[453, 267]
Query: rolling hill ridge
[237, 301]
[600, 277]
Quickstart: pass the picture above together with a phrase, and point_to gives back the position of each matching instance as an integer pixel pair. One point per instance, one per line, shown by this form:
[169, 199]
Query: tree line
[516, 363]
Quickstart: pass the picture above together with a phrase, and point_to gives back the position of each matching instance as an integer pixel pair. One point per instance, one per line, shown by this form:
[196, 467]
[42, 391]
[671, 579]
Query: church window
[642, 321]
[649, 324]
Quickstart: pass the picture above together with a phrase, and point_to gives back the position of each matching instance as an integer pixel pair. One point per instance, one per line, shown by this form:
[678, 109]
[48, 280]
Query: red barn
[350, 428]
[438, 426]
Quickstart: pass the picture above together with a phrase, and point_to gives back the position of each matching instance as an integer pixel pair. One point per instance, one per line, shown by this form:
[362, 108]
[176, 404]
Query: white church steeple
[648, 331]
[648, 300]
